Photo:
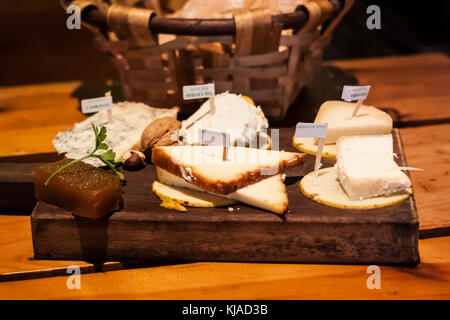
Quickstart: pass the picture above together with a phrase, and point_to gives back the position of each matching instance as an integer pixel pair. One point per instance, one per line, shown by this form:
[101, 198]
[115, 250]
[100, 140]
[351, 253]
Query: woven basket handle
[96, 16]
[131, 23]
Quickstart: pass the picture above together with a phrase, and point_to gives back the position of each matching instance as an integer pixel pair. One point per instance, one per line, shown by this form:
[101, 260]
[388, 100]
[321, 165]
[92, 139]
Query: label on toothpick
[198, 91]
[312, 130]
[96, 104]
[352, 93]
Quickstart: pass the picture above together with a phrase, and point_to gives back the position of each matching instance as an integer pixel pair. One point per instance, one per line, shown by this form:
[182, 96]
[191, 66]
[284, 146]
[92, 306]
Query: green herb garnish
[106, 157]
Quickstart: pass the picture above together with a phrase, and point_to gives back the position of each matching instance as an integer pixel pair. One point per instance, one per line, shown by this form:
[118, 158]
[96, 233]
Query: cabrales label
[96, 104]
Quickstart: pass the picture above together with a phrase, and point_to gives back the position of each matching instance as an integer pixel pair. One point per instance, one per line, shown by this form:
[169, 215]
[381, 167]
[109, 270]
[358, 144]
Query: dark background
[37, 47]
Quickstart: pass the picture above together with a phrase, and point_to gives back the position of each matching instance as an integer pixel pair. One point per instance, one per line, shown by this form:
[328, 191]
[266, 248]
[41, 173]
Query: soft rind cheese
[365, 167]
[338, 114]
[233, 114]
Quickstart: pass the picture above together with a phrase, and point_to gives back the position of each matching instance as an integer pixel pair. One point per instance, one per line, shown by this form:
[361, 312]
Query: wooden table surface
[414, 87]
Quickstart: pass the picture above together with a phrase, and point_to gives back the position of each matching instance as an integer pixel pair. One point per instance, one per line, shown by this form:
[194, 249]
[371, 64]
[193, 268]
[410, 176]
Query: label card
[214, 138]
[96, 104]
[313, 130]
[198, 91]
[352, 93]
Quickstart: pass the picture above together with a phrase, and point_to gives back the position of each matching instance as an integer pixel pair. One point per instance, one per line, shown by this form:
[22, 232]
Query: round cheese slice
[307, 145]
[325, 188]
[177, 197]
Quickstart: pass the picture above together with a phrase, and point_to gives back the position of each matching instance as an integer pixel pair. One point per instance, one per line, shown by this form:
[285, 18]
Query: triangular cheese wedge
[338, 114]
[204, 167]
[268, 194]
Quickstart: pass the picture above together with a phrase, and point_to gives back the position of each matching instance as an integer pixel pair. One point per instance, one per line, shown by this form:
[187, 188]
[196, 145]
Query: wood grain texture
[32, 115]
[428, 148]
[413, 88]
[429, 280]
[308, 232]
[17, 261]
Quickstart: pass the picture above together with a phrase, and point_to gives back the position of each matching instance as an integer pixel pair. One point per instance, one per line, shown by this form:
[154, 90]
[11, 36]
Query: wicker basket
[266, 57]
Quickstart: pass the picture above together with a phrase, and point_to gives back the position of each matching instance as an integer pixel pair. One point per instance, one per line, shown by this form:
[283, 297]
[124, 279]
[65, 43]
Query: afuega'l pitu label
[96, 104]
[352, 93]
[311, 130]
[198, 91]
[214, 138]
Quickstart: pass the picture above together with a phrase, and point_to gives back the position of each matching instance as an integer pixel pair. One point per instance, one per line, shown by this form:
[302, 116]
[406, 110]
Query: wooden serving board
[308, 232]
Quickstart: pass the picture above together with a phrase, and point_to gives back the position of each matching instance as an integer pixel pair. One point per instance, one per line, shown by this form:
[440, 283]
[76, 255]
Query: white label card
[313, 130]
[96, 104]
[352, 93]
[198, 91]
[214, 138]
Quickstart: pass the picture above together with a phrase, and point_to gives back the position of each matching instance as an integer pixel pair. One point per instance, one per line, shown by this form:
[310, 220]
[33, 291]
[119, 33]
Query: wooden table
[414, 88]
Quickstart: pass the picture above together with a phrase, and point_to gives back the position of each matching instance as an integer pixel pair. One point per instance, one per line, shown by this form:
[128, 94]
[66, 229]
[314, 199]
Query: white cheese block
[129, 120]
[268, 194]
[365, 167]
[338, 114]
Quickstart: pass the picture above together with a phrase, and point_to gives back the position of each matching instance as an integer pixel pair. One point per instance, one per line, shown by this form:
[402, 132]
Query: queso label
[96, 104]
[311, 130]
[198, 91]
[352, 93]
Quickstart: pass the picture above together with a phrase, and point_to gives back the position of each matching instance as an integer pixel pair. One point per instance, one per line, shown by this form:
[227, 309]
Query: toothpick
[212, 107]
[319, 155]
[360, 101]
[225, 149]
[211, 110]
[110, 117]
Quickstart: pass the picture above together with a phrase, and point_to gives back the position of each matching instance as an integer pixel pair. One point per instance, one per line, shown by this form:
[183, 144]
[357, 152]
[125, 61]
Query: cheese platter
[222, 208]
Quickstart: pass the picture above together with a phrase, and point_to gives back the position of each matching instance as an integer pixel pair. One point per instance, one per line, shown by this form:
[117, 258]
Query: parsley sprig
[107, 157]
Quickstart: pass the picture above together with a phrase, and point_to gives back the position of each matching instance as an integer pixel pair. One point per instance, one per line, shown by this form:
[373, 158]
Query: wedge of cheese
[365, 167]
[204, 167]
[268, 194]
[177, 197]
[338, 114]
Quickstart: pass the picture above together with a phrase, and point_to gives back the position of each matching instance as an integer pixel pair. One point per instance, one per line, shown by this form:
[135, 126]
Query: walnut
[159, 132]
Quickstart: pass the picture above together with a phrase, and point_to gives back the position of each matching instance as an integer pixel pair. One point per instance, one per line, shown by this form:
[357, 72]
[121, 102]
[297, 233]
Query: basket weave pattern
[260, 61]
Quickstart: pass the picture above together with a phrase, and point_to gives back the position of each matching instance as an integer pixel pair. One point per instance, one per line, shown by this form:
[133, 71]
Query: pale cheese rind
[324, 188]
[189, 197]
[307, 145]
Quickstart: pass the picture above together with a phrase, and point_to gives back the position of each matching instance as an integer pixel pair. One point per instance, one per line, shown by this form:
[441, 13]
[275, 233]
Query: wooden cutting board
[308, 232]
